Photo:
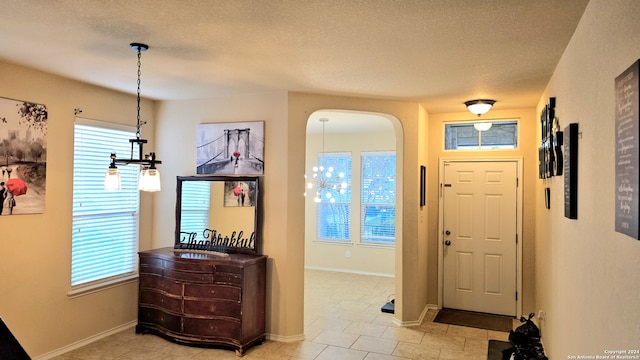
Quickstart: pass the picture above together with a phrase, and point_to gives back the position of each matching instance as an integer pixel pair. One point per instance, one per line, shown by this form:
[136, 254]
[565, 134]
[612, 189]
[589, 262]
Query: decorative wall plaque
[627, 99]
[549, 155]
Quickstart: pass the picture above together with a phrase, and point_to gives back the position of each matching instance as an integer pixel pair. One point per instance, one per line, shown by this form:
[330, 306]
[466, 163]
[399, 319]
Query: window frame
[130, 187]
[347, 205]
[480, 147]
[363, 239]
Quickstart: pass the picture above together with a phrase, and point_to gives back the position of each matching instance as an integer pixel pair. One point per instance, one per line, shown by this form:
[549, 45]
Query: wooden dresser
[201, 299]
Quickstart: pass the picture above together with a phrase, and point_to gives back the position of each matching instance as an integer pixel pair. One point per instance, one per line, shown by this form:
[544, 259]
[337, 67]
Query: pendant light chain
[324, 121]
[138, 108]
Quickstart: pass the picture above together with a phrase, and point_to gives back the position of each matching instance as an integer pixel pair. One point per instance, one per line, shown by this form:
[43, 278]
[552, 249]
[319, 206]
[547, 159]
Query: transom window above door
[481, 135]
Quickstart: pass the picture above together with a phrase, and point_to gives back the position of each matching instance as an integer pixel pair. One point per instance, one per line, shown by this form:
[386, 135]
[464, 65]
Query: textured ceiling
[437, 52]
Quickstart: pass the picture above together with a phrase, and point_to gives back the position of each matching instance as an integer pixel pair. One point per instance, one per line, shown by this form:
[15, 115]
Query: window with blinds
[378, 198]
[105, 223]
[195, 207]
[503, 134]
[334, 217]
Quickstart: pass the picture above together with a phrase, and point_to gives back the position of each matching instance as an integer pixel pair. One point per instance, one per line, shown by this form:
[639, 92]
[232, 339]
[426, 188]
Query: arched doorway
[359, 245]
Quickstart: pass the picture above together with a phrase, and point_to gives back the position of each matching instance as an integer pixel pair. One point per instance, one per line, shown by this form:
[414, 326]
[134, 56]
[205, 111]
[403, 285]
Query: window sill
[83, 290]
[334, 242]
[378, 246]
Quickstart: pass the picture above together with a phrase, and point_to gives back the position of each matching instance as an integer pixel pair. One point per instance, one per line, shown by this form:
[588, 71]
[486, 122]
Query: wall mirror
[217, 213]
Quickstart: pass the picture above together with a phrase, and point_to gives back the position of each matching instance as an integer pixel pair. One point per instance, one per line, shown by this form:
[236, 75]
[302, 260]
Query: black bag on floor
[525, 341]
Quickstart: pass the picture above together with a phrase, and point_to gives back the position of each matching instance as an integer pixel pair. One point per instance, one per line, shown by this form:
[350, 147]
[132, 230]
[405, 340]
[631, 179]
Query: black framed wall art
[571, 171]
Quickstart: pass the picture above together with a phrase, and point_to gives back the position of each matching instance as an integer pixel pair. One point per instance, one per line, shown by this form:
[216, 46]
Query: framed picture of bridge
[235, 148]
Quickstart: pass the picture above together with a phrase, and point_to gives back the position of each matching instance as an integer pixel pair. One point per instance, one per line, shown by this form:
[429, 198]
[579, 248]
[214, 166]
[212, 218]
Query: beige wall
[587, 276]
[177, 123]
[527, 149]
[285, 117]
[34, 302]
[36, 249]
[330, 255]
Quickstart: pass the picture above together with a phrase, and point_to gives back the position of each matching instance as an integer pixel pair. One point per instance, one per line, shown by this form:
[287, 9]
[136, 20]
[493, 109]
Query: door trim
[519, 211]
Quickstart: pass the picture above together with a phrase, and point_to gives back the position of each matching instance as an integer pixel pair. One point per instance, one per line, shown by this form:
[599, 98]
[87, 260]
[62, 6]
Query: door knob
[447, 232]
[447, 242]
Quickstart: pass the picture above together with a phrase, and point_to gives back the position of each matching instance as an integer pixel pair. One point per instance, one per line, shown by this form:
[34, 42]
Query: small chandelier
[323, 180]
[149, 179]
[479, 106]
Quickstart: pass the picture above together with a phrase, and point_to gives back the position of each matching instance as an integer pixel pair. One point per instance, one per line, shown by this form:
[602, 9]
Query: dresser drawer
[151, 270]
[161, 300]
[192, 266]
[159, 283]
[228, 278]
[229, 269]
[192, 277]
[152, 262]
[212, 328]
[212, 308]
[212, 292]
[159, 318]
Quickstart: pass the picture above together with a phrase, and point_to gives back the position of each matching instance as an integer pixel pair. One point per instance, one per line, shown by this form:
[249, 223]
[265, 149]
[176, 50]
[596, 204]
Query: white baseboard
[286, 339]
[349, 271]
[420, 319]
[86, 341]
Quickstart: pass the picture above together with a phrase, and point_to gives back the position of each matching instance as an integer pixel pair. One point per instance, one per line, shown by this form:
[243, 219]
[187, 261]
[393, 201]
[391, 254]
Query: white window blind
[196, 196]
[378, 197]
[105, 223]
[334, 219]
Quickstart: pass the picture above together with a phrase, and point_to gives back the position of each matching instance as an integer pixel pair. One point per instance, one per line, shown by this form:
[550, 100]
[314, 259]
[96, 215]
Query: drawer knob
[212, 308]
[212, 292]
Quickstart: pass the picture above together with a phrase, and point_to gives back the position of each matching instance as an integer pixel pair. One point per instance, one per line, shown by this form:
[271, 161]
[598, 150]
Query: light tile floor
[343, 321]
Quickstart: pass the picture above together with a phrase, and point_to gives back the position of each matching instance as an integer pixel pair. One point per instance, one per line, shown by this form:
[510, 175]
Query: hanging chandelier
[149, 179]
[322, 179]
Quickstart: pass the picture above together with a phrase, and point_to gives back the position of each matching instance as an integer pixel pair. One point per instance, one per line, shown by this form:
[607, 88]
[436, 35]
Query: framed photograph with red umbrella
[239, 193]
[16, 187]
[23, 156]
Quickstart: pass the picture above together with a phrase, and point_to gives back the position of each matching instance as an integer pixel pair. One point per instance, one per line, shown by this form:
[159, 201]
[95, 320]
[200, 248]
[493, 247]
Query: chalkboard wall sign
[627, 99]
[571, 172]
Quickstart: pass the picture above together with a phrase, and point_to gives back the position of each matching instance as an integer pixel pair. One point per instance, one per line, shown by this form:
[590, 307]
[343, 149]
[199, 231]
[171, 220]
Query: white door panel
[480, 222]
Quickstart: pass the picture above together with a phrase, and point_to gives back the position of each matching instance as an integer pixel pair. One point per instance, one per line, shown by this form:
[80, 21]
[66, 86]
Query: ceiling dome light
[479, 106]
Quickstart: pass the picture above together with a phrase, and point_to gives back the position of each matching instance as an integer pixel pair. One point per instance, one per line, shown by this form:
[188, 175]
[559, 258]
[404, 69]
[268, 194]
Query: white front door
[479, 236]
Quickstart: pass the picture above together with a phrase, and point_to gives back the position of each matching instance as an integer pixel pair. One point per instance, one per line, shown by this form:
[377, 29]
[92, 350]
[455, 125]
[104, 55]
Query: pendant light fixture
[149, 179]
[322, 179]
[480, 107]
